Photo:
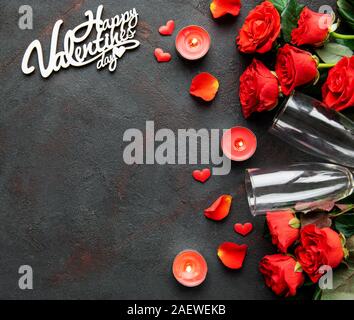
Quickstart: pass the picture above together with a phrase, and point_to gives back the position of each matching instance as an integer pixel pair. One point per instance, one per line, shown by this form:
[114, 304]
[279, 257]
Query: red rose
[260, 30]
[337, 92]
[219, 8]
[283, 235]
[280, 275]
[313, 28]
[318, 247]
[294, 67]
[259, 89]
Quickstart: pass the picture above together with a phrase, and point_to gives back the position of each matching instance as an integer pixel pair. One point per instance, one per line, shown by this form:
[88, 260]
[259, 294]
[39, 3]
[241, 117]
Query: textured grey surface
[88, 224]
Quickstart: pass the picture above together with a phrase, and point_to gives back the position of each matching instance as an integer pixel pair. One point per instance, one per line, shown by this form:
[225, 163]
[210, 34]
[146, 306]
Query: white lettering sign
[114, 37]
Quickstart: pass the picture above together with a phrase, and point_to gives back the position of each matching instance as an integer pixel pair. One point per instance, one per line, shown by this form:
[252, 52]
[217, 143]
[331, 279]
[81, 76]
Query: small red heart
[168, 29]
[243, 229]
[162, 56]
[201, 175]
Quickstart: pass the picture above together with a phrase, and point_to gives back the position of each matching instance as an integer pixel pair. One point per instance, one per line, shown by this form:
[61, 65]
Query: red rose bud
[259, 89]
[294, 67]
[260, 30]
[280, 274]
[284, 233]
[337, 92]
[313, 28]
[318, 247]
[219, 8]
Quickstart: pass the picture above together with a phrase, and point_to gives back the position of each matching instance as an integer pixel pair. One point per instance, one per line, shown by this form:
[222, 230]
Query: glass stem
[342, 36]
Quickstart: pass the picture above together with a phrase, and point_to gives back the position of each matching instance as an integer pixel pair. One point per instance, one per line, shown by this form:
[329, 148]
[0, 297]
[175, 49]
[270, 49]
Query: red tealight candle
[193, 42]
[189, 268]
[239, 143]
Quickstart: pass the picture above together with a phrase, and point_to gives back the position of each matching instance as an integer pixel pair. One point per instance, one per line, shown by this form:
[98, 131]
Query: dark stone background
[90, 225]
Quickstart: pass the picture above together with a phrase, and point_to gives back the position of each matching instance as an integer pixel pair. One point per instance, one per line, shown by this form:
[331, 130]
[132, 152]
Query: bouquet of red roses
[305, 46]
[310, 246]
[314, 247]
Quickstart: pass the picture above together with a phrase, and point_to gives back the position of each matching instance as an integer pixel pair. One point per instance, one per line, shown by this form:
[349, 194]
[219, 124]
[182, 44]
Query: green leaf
[346, 10]
[343, 279]
[289, 18]
[298, 267]
[295, 223]
[319, 219]
[345, 224]
[318, 294]
[333, 52]
[346, 42]
[279, 5]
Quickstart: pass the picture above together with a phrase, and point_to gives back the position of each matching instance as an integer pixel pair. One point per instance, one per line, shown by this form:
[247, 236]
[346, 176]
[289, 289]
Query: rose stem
[342, 36]
[325, 65]
[350, 207]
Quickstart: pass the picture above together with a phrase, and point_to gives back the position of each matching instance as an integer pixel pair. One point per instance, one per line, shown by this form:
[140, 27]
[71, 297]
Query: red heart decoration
[243, 229]
[168, 29]
[162, 56]
[201, 175]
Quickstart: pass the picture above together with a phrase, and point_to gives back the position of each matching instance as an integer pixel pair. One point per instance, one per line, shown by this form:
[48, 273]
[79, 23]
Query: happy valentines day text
[114, 36]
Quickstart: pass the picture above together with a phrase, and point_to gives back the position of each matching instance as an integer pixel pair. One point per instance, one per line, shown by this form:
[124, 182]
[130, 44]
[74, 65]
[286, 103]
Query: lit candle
[189, 268]
[193, 42]
[239, 143]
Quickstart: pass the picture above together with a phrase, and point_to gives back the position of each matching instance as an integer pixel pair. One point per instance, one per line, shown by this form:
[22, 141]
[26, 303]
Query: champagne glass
[310, 126]
[300, 187]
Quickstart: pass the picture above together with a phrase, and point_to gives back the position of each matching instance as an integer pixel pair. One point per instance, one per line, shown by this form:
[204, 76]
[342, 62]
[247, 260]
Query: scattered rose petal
[243, 229]
[162, 56]
[219, 209]
[219, 8]
[201, 175]
[167, 29]
[232, 255]
[204, 86]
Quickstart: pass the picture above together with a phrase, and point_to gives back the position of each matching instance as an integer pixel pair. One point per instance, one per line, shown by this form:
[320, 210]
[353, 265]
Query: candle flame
[193, 42]
[188, 268]
[240, 145]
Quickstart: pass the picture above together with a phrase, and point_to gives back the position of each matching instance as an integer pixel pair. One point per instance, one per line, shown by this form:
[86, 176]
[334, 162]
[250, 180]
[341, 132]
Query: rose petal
[204, 86]
[219, 209]
[219, 8]
[232, 255]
